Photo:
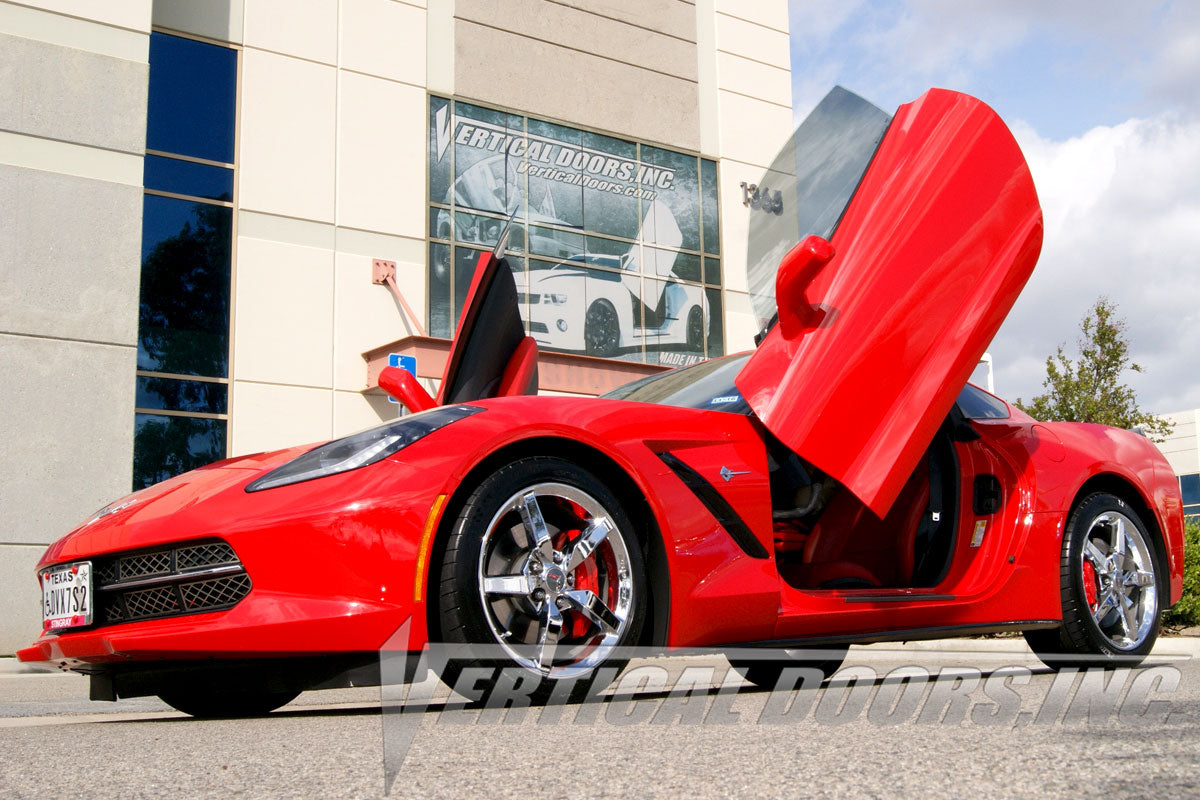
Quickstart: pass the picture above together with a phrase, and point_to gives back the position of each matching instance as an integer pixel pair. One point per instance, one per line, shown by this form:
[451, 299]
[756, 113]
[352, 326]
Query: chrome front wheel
[543, 566]
[555, 580]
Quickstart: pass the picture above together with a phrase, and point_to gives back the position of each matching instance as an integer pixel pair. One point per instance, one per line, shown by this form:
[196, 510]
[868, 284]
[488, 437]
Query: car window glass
[975, 403]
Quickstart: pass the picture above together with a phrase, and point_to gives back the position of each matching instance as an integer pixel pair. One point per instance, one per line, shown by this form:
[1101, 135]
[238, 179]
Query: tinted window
[169, 394]
[815, 175]
[165, 446]
[188, 177]
[975, 403]
[1189, 487]
[187, 245]
[191, 108]
[183, 311]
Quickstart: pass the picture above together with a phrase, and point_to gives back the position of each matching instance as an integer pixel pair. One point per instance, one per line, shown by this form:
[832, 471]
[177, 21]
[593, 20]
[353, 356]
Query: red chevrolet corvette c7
[841, 483]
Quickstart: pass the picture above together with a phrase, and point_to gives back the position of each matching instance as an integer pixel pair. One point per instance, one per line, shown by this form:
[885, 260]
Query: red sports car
[842, 483]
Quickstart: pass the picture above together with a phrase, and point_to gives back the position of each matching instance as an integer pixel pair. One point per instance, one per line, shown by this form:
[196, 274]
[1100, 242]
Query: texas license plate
[67, 596]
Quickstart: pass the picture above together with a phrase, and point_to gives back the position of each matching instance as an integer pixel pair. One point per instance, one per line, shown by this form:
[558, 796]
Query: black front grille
[538, 327]
[189, 579]
[155, 602]
[205, 555]
[141, 566]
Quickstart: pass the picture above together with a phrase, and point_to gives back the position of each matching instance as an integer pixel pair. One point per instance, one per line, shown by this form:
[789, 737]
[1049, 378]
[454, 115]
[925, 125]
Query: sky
[1104, 99]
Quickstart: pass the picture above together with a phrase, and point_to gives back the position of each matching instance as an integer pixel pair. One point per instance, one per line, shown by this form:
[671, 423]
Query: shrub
[1187, 611]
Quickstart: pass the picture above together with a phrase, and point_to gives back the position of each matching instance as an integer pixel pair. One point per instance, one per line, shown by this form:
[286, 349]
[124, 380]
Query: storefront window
[615, 243]
[181, 414]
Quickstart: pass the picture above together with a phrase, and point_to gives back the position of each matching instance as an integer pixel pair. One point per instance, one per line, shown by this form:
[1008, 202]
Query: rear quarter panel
[1072, 460]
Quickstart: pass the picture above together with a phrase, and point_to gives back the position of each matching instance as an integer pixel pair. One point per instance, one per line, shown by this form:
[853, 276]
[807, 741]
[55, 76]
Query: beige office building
[196, 197]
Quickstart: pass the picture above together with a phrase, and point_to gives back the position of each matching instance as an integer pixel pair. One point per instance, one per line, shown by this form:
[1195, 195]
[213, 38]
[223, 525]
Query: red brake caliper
[1090, 588]
[585, 580]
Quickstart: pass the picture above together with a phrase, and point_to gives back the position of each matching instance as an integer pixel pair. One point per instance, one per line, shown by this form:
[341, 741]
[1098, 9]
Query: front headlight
[554, 299]
[361, 449]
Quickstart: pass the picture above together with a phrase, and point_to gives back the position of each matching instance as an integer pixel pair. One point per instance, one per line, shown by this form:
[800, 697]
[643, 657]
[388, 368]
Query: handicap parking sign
[406, 363]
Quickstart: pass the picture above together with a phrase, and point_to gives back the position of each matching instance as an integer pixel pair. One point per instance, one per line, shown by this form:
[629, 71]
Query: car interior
[825, 538]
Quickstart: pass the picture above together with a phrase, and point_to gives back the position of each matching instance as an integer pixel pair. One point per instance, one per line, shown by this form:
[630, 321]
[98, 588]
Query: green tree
[1090, 389]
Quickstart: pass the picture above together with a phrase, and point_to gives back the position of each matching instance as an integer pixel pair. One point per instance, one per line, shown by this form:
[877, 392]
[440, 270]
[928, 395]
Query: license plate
[67, 596]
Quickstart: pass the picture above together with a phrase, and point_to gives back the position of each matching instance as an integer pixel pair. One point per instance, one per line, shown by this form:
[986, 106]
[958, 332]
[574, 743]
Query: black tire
[765, 672]
[557, 610]
[695, 329]
[601, 330]
[212, 702]
[1115, 620]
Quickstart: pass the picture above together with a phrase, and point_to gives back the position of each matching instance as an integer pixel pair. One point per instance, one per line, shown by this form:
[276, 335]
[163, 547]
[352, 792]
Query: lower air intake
[168, 582]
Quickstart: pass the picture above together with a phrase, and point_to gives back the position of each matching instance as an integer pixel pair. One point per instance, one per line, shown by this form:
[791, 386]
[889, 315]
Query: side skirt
[913, 635]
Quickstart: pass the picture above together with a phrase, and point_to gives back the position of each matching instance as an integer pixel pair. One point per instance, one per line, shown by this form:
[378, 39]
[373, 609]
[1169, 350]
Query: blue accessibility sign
[406, 363]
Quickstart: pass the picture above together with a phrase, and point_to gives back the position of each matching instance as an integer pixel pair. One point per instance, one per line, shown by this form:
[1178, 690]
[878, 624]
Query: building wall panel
[68, 427]
[302, 28]
[283, 314]
[69, 257]
[384, 38]
[287, 136]
[72, 95]
[550, 80]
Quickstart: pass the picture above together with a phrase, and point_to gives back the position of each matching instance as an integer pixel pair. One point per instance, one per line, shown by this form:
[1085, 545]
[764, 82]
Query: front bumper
[332, 563]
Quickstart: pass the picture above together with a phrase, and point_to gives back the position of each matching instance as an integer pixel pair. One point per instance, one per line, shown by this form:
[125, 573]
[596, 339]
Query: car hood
[135, 520]
[890, 250]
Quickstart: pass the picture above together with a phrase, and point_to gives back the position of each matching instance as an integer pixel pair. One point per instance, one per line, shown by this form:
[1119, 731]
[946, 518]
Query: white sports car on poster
[629, 300]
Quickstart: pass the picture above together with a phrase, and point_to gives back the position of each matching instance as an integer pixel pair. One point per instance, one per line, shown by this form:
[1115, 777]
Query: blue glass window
[164, 446]
[187, 249]
[183, 311]
[192, 88]
[169, 394]
[1189, 487]
[188, 177]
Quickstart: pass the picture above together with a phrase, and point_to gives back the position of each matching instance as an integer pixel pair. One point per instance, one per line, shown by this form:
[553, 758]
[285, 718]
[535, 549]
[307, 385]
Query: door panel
[930, 255]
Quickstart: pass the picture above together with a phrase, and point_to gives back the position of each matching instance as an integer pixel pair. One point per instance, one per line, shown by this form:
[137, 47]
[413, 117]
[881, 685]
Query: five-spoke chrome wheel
[555, 580]
[544, 567]
[1117, 571]
[1110, 577]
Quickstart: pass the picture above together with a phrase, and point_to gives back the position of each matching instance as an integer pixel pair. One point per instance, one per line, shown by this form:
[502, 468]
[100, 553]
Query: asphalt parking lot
[947, 719]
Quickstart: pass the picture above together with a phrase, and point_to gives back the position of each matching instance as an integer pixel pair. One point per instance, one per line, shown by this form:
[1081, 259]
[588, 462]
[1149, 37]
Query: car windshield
[808, 186]
[707, 385]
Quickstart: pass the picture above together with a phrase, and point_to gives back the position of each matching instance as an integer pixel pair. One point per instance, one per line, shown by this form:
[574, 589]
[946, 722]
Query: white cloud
[1122, 210]
[1122, 201]
[1136, 58]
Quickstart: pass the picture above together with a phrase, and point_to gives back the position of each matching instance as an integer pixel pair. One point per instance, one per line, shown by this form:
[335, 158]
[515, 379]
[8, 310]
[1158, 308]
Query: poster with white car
[614, 244]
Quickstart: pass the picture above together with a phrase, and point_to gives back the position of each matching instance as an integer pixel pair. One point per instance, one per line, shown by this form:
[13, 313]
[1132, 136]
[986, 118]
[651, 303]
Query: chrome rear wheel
[1110, 578]
[1118, 579]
